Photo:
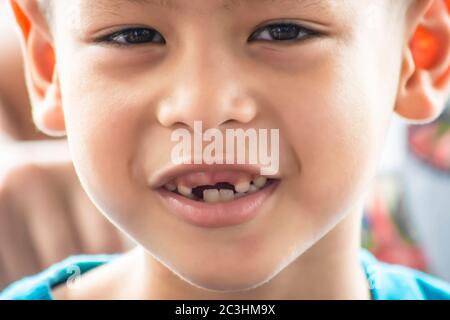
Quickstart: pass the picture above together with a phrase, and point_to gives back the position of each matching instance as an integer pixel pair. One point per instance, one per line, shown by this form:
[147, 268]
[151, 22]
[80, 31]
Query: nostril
[179, 124]
[227, 122]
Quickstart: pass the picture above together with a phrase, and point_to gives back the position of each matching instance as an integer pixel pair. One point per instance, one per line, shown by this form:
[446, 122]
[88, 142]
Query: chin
[226, 278]
[220, 284]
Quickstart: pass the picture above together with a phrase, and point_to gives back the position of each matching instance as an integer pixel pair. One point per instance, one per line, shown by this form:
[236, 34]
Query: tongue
[196, 179]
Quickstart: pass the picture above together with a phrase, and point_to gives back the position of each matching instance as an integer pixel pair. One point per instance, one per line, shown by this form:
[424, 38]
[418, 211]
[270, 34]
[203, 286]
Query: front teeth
[226, 195]
[211, 196]
[214, 195]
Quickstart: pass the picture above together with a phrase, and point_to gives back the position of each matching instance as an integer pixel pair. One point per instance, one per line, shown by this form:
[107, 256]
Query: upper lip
[164, 176]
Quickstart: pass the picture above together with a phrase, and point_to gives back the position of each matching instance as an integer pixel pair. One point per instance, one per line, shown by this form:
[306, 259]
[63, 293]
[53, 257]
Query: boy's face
[331, 93]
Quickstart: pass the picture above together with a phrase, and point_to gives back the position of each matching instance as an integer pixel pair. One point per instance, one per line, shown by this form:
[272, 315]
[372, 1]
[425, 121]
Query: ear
[425, 79]
[40, 67]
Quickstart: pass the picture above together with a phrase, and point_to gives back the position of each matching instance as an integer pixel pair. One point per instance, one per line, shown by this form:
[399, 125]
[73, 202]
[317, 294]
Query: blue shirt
[387, 282]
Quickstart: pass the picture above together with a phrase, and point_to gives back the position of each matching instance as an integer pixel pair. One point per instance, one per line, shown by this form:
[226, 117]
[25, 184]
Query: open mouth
[214, 196]
[222, 191]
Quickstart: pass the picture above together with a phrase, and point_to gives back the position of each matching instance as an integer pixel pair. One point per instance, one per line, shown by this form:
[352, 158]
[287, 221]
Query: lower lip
[216, 215]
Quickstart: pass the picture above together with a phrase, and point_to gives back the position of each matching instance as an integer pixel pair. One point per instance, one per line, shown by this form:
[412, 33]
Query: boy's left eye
[282, 32]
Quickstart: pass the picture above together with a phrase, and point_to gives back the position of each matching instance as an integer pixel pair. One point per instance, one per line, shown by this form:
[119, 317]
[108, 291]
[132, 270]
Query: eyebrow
[229, 4]
[233, 4]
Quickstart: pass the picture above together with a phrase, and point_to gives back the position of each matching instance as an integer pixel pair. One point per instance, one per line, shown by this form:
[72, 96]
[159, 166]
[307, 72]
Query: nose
[206, 87]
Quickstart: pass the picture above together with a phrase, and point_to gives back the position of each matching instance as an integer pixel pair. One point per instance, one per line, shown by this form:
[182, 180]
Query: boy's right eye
[133, 36]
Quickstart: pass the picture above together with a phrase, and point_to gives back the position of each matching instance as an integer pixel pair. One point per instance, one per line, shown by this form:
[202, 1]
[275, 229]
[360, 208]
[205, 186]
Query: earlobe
[425, 76]
[48, 115]
[40, 68]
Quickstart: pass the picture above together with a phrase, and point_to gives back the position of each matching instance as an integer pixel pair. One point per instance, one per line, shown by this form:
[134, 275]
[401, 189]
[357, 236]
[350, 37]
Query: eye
[283, 32]
[134, 36]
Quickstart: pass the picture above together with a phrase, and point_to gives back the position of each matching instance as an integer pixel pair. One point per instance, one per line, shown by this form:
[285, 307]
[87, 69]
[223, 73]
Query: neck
[330, 269]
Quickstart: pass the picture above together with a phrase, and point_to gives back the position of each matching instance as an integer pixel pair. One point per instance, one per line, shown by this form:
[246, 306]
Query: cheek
[336, 130]
[102, 133]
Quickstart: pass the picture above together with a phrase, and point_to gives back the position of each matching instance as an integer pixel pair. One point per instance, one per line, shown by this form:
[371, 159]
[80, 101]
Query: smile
[214, 196]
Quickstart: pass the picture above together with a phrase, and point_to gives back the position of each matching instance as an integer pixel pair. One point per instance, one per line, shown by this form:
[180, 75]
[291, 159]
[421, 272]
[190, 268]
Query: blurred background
[406, 216]
[407, 213]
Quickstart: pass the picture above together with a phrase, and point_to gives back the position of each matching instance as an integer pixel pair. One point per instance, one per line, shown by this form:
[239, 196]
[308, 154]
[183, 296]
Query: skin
[332, 97]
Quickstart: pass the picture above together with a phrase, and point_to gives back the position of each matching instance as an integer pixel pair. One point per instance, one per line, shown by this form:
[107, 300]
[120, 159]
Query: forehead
[206, 5]
[219, 4]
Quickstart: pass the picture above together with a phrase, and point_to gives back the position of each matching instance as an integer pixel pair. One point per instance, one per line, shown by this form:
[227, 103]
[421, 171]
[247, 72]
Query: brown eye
[135, 36]
[282, 32]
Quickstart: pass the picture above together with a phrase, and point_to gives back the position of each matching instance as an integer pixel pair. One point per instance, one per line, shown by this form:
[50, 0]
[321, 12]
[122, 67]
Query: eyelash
[119, 38]
[273, 30]
[142, 36]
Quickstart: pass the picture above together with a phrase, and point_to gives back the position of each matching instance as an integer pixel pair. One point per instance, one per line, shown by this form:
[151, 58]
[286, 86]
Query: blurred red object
[431, 147]
[388, 245]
